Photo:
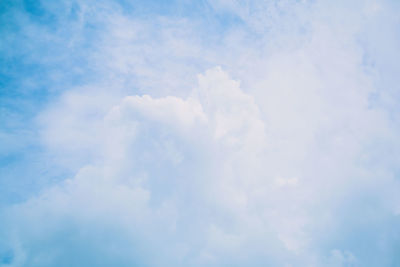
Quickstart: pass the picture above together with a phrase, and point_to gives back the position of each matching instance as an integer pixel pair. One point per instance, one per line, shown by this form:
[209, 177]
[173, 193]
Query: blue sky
[199, 133]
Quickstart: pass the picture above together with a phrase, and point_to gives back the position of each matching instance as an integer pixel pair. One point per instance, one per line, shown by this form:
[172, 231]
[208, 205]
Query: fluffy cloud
[155, 180]
[293, 165]
[196, 180]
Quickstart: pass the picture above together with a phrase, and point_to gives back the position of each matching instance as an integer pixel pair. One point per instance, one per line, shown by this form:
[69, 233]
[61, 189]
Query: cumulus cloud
[153, 177]
[276, 145]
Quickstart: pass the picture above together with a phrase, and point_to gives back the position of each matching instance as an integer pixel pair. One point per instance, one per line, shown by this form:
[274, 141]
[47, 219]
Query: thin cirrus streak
[215, 133]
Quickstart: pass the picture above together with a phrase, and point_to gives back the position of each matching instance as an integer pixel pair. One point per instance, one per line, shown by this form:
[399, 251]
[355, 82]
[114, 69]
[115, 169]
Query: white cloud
[289, 166]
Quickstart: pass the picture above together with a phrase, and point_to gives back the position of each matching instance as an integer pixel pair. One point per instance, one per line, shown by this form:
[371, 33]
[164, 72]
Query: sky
[199, 133]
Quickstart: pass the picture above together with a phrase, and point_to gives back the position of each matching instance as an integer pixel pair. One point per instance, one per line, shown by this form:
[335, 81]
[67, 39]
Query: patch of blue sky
[37, 63]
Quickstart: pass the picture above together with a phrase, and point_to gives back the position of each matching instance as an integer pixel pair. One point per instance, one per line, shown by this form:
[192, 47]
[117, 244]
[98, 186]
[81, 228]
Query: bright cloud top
[229, 133]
